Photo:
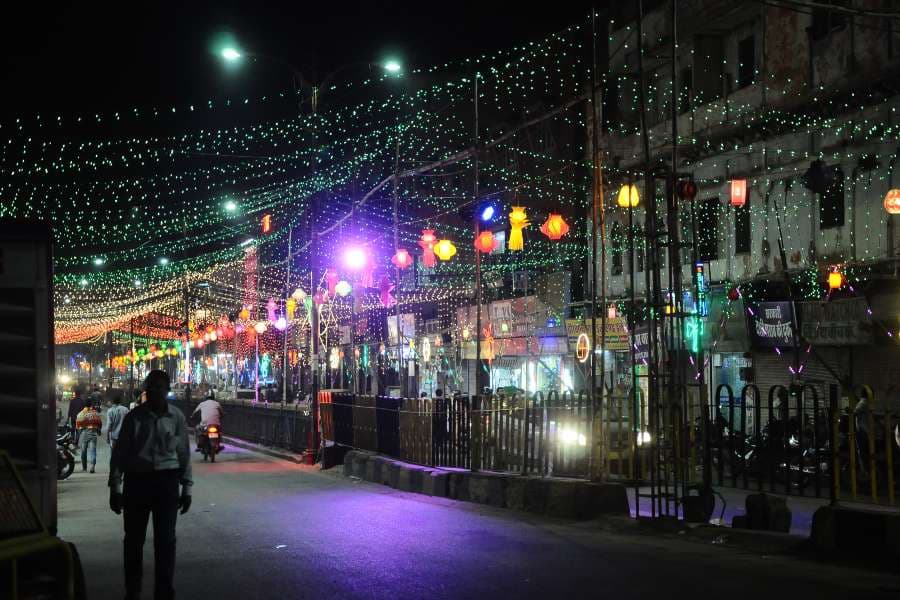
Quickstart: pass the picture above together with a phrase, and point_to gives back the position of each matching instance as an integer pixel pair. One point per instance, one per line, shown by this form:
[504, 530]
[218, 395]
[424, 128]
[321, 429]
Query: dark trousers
[146, 493]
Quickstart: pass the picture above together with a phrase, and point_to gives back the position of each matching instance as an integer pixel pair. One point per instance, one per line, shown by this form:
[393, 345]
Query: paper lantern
[298, 294]
[835, 280]
[485, 242]
[734, 293]
[518, 221]
[892, 201]
[555, 227]
[628, 196]
[738, 192]
[343, 288]
[445, 250]
[426, 243]
[402, 259]
[385, 292]
[290, 307]
[244, 314]
[260, 327]
[281, 324]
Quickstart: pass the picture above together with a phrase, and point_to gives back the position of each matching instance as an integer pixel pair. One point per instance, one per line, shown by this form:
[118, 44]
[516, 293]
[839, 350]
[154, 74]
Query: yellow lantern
[835, 280]
[244, 314]
[290, 307]
[518, 221]
[628, 196]
[892, 201]
[444, 250]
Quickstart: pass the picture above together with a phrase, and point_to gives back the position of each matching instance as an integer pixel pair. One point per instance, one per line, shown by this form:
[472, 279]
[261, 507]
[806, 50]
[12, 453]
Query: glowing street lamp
[355, 258]
[628, 196]
[393, 67]
[231, 54]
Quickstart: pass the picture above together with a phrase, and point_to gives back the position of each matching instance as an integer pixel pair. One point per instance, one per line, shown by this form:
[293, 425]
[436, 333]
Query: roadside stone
[514, 493]
[437, 483]
[459, 486]
[359, 464]
[487, 488]
[561, 498]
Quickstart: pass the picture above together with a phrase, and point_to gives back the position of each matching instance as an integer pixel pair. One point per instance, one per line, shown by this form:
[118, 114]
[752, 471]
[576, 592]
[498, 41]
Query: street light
[231, 54]
[393, 67]
[230, 206]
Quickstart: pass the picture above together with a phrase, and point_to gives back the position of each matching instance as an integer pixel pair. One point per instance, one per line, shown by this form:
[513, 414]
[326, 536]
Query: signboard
[836, 322]
[615, 336]
[514, 327]
[771, 324]
[641, 343]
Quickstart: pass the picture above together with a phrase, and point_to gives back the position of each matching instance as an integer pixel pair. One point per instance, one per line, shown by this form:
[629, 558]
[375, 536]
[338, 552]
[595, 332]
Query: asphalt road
[264, 528]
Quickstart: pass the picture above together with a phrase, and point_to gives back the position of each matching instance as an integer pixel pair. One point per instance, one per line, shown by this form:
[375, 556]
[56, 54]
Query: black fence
[281, 425]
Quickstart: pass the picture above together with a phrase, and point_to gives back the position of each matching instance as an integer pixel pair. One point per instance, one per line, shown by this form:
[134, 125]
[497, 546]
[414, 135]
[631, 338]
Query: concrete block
[536, 492]
[823, 533]
[487, 488]
[437, 483]
[359, 464]
[768, 513]
[595, 499]
[373, 469]
[459, 485]
[514, 493]
[561, 498]
[394, 469]
[410, 478]
[348, 463]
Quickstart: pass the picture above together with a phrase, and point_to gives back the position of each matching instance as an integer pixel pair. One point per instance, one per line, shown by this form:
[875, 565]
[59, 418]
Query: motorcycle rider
[210, 414]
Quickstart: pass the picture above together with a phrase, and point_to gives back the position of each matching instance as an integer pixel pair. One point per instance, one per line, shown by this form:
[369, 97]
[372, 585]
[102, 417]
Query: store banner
[844, 322]
[615, 336]
[771, 324]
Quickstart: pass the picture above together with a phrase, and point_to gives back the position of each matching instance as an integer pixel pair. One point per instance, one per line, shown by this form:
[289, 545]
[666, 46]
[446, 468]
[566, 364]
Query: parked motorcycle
[209, 441]
[65, 454]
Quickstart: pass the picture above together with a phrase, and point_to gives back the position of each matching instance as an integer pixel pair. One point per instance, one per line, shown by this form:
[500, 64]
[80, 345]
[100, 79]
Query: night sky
[82, 56]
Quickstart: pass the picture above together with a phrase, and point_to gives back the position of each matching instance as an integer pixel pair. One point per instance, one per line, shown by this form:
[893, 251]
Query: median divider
[555, 497]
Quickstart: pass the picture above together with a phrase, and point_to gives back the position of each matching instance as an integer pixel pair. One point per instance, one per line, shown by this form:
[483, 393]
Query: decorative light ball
[628, 196]
[343, 288]
[835, 280]
[555, 227]
[402, 259]
[892, 201]
[485, 242]
[445, 250]
[260, 327]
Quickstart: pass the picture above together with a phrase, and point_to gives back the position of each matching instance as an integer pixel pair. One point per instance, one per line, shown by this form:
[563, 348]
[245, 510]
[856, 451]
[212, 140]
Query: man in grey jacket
[153, 457]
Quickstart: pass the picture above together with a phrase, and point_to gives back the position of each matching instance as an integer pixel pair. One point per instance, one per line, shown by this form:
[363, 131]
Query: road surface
[264, 528]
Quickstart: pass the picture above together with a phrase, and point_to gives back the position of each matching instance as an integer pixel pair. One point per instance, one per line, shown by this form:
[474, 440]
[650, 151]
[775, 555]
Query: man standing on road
[89, 424]
[114, 417]
[153, 455]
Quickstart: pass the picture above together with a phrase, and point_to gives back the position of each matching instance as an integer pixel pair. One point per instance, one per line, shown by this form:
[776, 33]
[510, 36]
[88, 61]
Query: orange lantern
[555, 227]
[738, 192]
[426, 243]
[835, 280]
[244, 314]
[402, 259]
[445, 250]
[892, 201]
[485, 242]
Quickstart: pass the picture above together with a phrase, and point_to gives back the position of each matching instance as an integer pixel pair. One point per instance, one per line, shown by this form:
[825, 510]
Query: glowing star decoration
[385, 293]
[518, 221]
[290, 307]
[892, 201]
[485, 242]
[402, 259]
[555, 227]
[270, 309]
[426, 243]
[334, 358]
[331, 279]
[738, 192]
[343, 288]
[445, 250]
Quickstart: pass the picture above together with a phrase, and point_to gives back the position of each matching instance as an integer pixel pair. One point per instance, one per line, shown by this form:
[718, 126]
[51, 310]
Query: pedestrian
[153, 457]
[114, 418]
[89, 424]
[76, 405]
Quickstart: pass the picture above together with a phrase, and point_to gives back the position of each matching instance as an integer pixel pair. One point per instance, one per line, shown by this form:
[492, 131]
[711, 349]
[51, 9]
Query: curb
[267, 450]
[554, 497]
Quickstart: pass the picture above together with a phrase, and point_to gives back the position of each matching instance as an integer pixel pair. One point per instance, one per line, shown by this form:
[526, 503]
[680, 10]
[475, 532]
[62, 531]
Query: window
[707, 75]
[708, 230]
[831, 201]
[686, 90]
[825, 21]
[742, 235]
[746, 68]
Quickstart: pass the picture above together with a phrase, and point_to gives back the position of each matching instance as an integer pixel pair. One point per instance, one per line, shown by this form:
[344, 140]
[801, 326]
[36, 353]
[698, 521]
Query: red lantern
[734, 293]
[485, 242]
[402, 259]
[892, 201]
[427, 242]
[555, 227]
[738, 192]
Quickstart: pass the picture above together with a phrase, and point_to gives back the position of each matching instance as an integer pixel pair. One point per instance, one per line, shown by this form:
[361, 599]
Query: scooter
[65, 455]
[209, 441]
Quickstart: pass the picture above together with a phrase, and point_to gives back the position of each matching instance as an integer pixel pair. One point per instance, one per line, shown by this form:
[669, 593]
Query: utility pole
[479, 366]
[396, 199]
[287, 294]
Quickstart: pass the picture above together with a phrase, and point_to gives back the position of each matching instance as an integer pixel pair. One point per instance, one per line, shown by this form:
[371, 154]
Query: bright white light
[64, 379]
[163, 261]
[355, 258]
[99, 261]
[231, 206]
[137, 283]
[83, 282]
[643, 438]
[393, 66]
[230, 54]
[247, 242]
[281, 324]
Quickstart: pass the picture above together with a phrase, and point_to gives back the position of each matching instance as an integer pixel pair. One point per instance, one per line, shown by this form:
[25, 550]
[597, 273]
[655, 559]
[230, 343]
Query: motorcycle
[65, 454]
[209, 441]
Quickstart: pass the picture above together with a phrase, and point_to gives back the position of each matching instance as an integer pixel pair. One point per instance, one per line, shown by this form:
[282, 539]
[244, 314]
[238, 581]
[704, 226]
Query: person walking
[89, 424]
[114, 417]
[76, 405]
[152, 456]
